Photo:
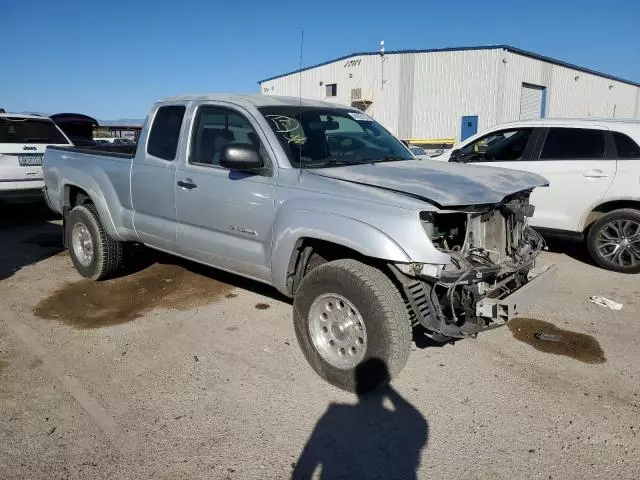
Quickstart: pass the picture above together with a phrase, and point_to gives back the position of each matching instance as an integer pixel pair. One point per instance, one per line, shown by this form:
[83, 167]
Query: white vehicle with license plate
[593, 167]
[23, 140]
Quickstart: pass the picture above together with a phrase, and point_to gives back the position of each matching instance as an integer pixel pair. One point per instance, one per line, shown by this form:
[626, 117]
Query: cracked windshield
[324, 137]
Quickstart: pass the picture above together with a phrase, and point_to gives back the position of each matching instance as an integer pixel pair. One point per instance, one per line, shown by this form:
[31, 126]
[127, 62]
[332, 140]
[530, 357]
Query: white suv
[594, 170]
[23, 139]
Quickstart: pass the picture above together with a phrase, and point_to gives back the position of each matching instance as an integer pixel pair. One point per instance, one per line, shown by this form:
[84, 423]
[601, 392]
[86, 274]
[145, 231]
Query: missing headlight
[446, 230]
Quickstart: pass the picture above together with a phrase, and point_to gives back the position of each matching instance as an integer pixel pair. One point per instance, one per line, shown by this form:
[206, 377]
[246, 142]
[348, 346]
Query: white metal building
[445, 95]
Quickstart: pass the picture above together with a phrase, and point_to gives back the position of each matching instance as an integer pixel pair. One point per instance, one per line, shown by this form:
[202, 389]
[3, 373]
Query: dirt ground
[179, 371]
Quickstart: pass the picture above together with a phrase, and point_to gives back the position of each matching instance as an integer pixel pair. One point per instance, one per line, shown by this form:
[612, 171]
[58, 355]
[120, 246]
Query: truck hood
[439, 183]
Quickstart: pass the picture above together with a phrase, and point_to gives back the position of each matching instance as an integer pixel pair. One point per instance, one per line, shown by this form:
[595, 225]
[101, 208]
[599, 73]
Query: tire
[378, 305]
[106, 257]
[606, 227]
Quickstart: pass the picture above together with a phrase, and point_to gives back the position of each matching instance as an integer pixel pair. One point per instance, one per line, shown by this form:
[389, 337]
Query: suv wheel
[352, 325]
[614, 241]
[94, 254]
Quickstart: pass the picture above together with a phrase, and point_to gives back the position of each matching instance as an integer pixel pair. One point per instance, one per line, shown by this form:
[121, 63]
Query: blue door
[469, 127]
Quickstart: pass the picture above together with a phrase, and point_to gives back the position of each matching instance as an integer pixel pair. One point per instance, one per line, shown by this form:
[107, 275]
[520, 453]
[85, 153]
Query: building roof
[256, 100]
[461, 49]
[601, 122]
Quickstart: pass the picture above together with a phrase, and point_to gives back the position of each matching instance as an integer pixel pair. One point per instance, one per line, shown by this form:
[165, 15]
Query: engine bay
[492, 251]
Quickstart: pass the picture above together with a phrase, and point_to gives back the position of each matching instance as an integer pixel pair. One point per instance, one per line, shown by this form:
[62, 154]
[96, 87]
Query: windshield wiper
[389, 158]
[330, 162]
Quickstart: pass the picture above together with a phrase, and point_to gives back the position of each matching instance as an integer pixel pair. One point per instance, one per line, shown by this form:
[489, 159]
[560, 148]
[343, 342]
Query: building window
[332, 89]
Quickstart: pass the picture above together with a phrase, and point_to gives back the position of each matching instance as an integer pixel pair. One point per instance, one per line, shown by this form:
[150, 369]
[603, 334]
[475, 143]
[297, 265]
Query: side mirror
[241, 157]
[455, 156]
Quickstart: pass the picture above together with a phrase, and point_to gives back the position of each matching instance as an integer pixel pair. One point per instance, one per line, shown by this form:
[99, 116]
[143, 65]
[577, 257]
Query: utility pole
[382, 59]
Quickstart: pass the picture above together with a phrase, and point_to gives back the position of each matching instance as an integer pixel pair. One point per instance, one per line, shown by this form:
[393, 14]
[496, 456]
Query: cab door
[153, 181]
[225, 217]
[580, 164]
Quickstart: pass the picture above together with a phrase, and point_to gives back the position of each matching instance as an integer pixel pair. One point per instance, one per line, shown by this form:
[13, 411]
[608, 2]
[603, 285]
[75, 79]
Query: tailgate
[23, 141]
[20, 162]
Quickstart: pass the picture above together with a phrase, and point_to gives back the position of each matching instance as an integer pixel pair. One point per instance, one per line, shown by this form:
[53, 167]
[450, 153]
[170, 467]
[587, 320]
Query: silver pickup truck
[324, 204]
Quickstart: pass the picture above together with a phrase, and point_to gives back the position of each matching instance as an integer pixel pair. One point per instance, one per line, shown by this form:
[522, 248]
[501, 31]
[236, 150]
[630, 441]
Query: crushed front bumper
[501, 310]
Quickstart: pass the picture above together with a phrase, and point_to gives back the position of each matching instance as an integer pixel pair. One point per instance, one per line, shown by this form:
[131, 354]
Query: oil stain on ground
[576, 345]
[88, 304]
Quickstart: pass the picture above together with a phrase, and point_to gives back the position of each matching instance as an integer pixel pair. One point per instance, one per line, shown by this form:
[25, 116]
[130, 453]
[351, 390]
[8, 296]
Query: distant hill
[122, 121]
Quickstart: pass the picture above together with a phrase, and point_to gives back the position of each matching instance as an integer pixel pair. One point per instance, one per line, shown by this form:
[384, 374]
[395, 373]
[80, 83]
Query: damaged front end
[490, 277]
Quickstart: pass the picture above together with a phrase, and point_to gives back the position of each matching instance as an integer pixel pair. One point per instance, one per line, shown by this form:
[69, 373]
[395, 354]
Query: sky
[111, 59]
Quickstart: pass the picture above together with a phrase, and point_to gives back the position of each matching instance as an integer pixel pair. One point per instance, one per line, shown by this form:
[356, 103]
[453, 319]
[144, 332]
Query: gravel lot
[179, 371]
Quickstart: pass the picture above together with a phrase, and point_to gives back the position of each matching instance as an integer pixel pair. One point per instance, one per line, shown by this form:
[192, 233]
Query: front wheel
[614, 241]
[352, 325]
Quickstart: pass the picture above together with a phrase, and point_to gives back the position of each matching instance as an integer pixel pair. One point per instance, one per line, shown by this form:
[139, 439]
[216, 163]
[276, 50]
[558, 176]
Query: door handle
[596, 173]
[186, 184]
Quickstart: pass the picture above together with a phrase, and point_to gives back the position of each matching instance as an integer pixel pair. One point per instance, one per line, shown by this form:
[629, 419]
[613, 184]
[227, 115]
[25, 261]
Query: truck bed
[119, 151]
[92, 168]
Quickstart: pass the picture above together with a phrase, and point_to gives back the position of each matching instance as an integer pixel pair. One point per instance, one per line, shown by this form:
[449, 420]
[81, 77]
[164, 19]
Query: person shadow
[382, 436]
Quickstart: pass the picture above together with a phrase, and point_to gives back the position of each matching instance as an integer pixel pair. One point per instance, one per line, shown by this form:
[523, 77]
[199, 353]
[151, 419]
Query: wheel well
[607, 207]
[310, 253]
[76, 196]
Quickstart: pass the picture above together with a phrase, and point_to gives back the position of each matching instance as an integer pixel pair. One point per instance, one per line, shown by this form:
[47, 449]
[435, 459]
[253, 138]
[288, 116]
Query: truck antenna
[300, 103]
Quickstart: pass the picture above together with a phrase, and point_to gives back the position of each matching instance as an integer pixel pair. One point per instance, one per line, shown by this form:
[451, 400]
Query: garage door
[531, 101]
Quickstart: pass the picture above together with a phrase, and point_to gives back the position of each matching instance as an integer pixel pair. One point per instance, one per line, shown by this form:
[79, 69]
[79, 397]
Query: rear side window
[29, 130]
[165, 132]
[573, 144]
[626, 148]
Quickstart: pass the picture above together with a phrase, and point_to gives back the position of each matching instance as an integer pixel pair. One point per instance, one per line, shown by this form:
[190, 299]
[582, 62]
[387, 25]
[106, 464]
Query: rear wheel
[94, 254]
[352, 325]
[614, 241]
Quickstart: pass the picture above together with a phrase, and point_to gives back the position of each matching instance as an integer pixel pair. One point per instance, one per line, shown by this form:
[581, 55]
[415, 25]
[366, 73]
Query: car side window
[213, 129]
[625, 147]
[165, 132]
[573, 144]
[500, 146]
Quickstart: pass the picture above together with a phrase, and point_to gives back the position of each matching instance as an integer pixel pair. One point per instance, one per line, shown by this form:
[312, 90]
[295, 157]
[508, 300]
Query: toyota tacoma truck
[325, 205]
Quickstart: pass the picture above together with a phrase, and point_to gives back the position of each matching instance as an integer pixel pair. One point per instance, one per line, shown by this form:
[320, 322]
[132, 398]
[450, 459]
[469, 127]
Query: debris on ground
[605, 302]
[548, 337]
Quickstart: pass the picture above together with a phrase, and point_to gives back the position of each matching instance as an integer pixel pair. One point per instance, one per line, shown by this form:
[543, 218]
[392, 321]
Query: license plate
[30, 160]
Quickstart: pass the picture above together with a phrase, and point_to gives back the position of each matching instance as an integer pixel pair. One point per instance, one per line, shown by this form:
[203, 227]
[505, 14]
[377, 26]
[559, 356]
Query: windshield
[321, 137]
[29, 130]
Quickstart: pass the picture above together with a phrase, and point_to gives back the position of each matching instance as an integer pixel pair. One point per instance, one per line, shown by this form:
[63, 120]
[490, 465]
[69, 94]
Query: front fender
[292, 225]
